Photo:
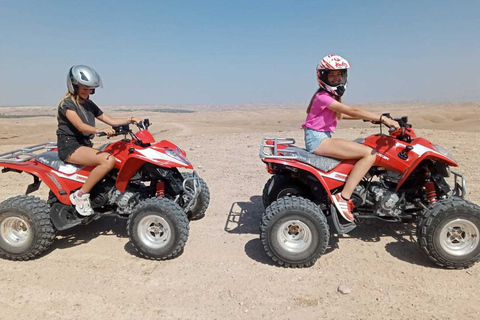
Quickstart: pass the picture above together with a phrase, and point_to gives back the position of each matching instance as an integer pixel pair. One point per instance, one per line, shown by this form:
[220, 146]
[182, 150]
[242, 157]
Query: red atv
[406, 183]
[144, 187]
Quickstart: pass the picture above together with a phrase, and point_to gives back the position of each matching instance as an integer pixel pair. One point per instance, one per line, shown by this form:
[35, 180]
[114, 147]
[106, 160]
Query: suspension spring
[160, 190]
[431, 192]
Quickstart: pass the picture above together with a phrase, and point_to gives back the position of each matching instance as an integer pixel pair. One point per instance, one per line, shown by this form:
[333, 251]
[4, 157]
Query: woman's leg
[344, 149]
[103, 162]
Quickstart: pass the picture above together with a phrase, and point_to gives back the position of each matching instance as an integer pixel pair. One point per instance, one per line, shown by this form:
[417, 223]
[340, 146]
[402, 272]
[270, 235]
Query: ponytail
[338, 115]
[311, 101]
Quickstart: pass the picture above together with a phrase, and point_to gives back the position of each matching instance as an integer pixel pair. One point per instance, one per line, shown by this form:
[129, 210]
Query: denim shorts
[67, 145]
[313, 138]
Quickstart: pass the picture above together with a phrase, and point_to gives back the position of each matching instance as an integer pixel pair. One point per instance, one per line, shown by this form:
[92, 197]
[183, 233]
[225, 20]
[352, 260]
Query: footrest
[340, 227]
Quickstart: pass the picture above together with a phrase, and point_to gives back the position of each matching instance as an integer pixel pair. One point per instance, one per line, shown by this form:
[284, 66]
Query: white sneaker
[82, 204]
[344, 207]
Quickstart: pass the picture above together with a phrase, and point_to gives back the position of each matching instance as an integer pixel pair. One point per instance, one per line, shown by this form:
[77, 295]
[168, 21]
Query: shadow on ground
[105, 226]
[245, 217]
[404, 245]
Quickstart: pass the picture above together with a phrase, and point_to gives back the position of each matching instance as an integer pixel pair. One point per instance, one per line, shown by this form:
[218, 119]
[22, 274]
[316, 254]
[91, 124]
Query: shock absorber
[160, 189]
[431, 192]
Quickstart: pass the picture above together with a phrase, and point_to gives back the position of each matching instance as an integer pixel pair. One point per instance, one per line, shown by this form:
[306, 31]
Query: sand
[93, 272]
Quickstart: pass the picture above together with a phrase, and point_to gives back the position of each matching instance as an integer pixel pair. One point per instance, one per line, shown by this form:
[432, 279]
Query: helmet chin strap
[340, 89]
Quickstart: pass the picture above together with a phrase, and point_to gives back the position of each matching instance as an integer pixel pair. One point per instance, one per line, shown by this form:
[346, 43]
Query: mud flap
[341, 228]
[64, 217]
[34, 186]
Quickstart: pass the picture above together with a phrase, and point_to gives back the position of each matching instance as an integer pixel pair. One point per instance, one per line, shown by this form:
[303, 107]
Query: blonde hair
[339, 99]
[75, 98]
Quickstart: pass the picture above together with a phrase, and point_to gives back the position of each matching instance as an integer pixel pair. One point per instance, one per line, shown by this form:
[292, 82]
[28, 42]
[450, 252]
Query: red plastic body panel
[129, 158]
[145, 136]
[49, 176]
[388, 148]
[330, 180]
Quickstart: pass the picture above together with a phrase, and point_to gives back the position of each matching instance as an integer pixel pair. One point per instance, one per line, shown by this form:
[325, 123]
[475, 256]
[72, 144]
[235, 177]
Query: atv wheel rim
[459, 237]
[294, 236]
[15, 231]
[287, 192]
[154, 231]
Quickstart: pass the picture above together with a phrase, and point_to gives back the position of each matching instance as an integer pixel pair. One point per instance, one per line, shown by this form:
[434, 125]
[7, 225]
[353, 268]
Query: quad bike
[145, 187]
[406, 183]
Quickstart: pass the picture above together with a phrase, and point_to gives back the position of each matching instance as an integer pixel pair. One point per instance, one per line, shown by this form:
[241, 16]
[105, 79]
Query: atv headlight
[177, 156]
[444, 152]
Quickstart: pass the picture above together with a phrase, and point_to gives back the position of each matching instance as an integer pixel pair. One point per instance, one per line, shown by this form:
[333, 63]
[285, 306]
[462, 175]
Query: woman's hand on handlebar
[391, 123]
[135, 120]
[106, 132]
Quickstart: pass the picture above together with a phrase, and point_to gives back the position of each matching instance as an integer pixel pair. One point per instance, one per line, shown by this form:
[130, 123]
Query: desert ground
[93, 271]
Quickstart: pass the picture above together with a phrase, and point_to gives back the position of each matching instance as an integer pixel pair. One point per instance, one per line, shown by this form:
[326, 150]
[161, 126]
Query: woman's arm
[73, 117]
[347, 117]
[359, 113]
[116, 121]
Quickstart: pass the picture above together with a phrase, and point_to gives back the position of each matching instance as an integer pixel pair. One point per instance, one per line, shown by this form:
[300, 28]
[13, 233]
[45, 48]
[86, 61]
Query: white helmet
[83, 75]
[328, 63]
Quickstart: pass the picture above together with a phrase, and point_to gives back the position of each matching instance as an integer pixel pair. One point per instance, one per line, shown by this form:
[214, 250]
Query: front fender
[134, 162]
[430, 155]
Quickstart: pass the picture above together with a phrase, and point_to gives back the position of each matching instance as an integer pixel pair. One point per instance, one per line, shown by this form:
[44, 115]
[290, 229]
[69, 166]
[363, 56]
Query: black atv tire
[26, 230]
[158, 228]
[294, 232]
[280, 186]
[199, 207]
[444, 227]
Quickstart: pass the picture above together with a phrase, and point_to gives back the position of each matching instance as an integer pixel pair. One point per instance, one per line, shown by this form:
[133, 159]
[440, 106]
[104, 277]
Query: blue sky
[237, 52]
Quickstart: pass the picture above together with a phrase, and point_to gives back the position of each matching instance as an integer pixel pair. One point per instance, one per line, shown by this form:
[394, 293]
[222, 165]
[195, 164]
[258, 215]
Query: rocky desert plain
[93, 271]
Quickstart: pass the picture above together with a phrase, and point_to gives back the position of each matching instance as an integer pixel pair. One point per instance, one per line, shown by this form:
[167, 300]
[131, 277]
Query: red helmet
[328, 63]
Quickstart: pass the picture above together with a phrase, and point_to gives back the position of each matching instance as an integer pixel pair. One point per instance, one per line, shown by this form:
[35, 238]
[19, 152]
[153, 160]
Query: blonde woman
[324, 111]
[76, 127]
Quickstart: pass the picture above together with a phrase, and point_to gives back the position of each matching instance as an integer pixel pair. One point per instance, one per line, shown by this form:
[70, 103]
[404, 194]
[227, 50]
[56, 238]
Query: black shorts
[67, 145]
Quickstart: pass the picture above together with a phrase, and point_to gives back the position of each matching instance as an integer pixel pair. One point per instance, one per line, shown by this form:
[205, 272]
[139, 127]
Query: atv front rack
[265, 147]
[25, 154]
[192, 194]
[460, 189]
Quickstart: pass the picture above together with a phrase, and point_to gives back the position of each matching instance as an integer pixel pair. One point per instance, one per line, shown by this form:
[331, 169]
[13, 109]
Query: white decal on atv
[335, 176]
[383, 156]
[75, 177]
[418, 149]
[55, 181]
[69, 169]
[154, 155]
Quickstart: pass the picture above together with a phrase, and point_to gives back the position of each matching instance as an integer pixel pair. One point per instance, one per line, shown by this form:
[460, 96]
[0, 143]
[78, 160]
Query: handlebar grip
[100, 134]
[373, 122]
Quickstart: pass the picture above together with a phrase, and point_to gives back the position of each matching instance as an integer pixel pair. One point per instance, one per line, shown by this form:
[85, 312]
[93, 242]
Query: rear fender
[42, 173]
[430, 155]
[296, 166]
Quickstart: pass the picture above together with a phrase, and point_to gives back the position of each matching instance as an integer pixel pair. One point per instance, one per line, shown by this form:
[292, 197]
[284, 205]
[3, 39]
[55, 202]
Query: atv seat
[51, 159]
[320, 162]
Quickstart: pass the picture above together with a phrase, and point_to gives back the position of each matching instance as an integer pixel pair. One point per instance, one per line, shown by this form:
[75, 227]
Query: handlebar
[124, 129]
[403, 122]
